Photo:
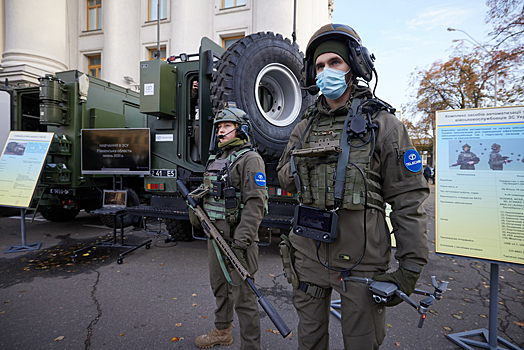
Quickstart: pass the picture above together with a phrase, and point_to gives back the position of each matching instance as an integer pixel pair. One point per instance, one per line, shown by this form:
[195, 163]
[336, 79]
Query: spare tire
[262, 73]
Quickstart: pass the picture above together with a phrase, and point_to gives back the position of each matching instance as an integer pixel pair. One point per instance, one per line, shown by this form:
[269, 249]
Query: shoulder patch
[260, 179]
[412, 161]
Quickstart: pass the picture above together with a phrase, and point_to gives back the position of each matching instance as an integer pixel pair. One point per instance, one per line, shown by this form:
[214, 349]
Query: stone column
[190, 21]
[121, 52]
[35, 35]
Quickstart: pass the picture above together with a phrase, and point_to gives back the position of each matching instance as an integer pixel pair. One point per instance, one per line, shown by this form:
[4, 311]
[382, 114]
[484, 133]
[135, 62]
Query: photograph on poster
[480, 183]
[15, 148]
[487, 154]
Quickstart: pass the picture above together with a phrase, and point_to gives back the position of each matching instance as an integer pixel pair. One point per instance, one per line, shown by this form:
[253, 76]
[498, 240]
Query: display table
[112, 242]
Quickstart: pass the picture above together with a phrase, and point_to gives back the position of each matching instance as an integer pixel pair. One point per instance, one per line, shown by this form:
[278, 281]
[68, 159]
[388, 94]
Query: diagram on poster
[480, 183]
[21, 162]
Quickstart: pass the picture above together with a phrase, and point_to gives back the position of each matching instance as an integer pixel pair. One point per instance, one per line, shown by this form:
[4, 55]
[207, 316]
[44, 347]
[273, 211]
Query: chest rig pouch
[223, 200]
[337, 178]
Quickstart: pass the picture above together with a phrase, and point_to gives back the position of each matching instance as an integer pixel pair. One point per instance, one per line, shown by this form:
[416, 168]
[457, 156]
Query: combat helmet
[234, 115]
[361, 61]
[495, 146]
[466, 145]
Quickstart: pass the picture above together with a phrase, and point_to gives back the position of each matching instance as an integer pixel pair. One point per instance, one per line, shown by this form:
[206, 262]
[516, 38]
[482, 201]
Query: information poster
[21, 162]
[480, 183]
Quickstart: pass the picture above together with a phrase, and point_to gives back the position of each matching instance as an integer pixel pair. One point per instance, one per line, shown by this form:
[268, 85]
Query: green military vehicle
[65, 104]
[261, 73]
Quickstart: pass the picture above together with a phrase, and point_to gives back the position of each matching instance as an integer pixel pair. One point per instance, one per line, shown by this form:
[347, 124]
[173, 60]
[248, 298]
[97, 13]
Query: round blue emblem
[260, 179]
[412, 161]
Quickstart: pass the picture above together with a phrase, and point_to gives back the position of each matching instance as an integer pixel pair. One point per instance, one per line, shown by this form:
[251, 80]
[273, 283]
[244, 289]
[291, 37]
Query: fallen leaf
[178, 324]
[86, 254]
[271, 275]
[269, 330]
[397, 344]
[446, 328]
[193, 295]
[275, 331]
[458, 317]
[161, 264]
[390, 326]
[2, 312]
[467, 300]
[204, 317]
[194, 304]
[519, 323]
[483, 316]
[174, 298]
[122, 334]
[175, 339]
[60, 338]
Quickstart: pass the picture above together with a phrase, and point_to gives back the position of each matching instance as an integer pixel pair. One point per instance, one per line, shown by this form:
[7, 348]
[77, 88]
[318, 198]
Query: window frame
[230, 7]
[98, 67]
[152, 50]
[98, 9]
[233, 37]
[149, 11]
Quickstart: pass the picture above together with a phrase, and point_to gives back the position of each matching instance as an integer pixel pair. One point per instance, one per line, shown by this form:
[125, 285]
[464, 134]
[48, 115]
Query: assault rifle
[506, 158]
[212, 232]
[466, 161]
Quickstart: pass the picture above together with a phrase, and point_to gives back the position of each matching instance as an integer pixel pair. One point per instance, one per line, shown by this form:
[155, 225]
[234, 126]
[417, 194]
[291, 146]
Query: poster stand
[490, 336]
[24, 247]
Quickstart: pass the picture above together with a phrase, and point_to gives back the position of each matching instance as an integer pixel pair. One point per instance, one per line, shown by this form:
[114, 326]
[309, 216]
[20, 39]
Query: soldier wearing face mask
[350, 156]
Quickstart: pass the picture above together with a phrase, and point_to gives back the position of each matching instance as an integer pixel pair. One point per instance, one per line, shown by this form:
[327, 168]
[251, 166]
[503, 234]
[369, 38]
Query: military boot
[222, 337]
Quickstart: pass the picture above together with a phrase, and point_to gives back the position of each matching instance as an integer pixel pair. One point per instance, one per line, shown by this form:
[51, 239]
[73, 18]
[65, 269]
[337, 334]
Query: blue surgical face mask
[332, 82]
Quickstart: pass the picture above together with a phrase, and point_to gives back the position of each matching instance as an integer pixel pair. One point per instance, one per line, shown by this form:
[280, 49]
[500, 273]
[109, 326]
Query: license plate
[61, 191]
[163, 173]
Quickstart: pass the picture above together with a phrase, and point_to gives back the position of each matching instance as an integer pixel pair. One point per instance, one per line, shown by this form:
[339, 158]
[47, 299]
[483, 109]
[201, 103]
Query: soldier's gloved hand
[404, 279]
[193, 219]
[239, 249]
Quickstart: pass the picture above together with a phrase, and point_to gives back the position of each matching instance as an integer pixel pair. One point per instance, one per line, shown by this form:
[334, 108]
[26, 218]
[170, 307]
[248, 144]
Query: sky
[408, 35]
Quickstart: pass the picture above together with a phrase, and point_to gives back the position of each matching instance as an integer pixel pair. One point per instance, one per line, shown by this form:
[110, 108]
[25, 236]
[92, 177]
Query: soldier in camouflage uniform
[467, 159]
[496, 160]
[237, 165]
[392, 168]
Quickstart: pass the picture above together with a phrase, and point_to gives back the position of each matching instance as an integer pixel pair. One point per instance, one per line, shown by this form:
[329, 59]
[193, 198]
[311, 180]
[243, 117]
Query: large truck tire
[132, 201]
[261, 73]
[57, 213]
[179, 230]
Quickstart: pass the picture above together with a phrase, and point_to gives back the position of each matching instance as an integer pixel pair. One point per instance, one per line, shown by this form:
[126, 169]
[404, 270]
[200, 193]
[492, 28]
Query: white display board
[21, 163]
[480, 206]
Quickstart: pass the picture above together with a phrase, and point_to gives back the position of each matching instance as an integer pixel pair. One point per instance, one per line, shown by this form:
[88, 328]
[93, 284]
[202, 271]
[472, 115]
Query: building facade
[108, 38]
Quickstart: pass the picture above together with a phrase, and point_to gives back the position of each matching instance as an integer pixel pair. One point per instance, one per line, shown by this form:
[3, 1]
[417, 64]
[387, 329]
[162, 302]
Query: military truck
[66, 103]
[261, 73]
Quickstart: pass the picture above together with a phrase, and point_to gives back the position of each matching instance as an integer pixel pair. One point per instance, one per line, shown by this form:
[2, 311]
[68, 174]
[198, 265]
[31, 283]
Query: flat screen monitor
[116, 151]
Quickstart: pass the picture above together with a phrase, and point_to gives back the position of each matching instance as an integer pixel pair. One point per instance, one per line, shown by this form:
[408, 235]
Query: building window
[94, 14]
[94, 66]
[153, 10]
[152, 53]
[230, 40]
[232, 3]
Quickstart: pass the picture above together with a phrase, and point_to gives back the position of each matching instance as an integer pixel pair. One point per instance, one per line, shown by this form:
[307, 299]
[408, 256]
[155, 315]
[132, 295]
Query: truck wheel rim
[278, 94]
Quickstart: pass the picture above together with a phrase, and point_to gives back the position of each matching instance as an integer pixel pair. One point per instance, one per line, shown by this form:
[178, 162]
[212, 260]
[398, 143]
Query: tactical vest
[317, 174]
[215, 203]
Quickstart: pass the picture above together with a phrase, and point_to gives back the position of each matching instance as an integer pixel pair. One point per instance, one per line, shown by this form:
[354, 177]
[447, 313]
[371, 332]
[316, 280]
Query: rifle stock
[212, 232]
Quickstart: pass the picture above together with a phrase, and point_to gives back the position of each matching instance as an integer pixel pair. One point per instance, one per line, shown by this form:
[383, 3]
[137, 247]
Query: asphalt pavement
[160, 298]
